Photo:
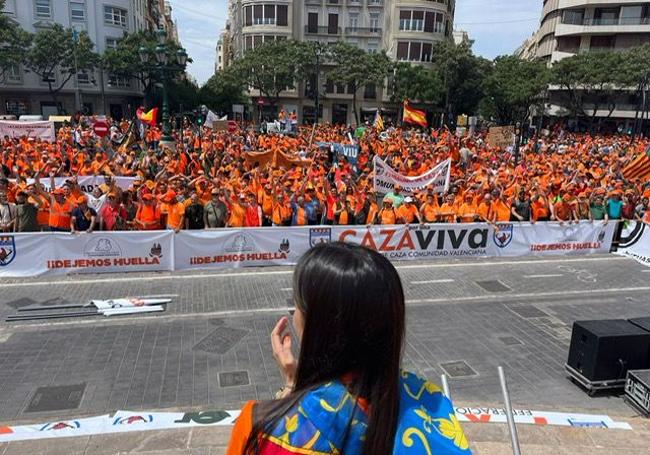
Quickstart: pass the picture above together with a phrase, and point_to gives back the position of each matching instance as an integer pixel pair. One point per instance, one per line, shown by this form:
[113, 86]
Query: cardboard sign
[501, 136]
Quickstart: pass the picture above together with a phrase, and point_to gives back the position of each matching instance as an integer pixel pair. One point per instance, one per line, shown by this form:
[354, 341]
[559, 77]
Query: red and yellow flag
[414, 116]
[639, 168]
[148, 117]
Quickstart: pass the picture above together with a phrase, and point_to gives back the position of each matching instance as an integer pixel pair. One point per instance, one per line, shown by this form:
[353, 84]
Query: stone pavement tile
[486, 432]
[535, 434]
[3, 447]
[138, 442]
[63, 446]
[620, 439]
[209, 437]
[573, 437]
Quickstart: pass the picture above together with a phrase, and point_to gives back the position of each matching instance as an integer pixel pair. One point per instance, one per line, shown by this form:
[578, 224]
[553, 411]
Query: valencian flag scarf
[148, 117]
[414, 116]
[329, 420]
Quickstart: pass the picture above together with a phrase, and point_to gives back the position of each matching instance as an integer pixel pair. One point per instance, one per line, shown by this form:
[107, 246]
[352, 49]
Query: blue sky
[497, 26]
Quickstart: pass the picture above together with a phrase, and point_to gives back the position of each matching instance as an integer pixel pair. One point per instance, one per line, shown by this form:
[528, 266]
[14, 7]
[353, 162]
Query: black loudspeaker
[643, 323]
[604, 350]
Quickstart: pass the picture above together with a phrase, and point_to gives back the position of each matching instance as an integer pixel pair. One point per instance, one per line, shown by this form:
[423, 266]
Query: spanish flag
[148, 117]
[379, 122]
[639, 168]
[414, 116]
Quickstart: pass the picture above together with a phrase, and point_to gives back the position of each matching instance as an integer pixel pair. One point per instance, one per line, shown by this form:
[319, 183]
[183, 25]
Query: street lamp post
[167, 65]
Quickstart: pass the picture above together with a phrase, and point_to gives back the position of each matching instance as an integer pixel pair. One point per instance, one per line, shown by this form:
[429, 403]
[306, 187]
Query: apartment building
[105, 21]
[405, 29]
[569, 27]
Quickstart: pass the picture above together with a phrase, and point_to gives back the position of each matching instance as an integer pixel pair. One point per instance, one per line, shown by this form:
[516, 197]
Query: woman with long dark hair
[346, 393]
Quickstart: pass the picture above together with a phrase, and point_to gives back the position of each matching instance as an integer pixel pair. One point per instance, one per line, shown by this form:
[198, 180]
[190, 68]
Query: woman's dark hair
[353, 304]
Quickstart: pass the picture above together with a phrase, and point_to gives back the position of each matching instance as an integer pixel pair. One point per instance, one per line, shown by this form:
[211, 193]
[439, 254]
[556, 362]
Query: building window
[111, 43]
[115, 16]
[373, 47]
[353, 19]
[411, 20]
[370, 92]
[374, 22]
[282, 15]
[118, 81]
[13, 75]
[43, 9]
[77, 12]
[603, 42]
[16, 107]
[49, 77]
[269, 14]
[426, 52]
[83, 78]
[312, 23]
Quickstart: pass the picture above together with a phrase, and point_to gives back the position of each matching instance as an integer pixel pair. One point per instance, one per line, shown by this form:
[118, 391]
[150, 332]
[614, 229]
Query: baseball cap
[408, 199]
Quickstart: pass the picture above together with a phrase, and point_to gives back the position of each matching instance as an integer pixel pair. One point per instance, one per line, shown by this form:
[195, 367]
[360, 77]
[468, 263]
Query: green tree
[124, 60]
[58, 50]
[513, 88]
[357, 68]
[270, 68]
[416, 83]
[590, 82]
[462, 75]
[14, 42]
[635, 72]
[223, 90]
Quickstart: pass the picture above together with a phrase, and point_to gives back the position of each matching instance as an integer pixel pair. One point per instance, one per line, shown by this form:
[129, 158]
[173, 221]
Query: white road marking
[444, 280]
[286, 289]
[252, 312]
[552, 275]
[288, 272]
[646, 271]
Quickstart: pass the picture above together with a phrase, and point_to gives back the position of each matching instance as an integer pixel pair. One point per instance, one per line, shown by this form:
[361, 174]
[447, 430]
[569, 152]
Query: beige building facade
[405, 29]
[569, 27]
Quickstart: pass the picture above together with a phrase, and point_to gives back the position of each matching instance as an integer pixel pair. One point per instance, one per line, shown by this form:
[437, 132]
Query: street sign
[232, 126]
[260, 102]
[100, 128]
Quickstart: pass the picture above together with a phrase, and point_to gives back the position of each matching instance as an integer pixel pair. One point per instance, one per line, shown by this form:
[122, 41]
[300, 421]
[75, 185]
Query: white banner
[635, 242]
[125, 421]
[120, 422]
[43, 130]
[87, 183]
[386, 178]
[233, 248]
[59, 253]
[23, 255]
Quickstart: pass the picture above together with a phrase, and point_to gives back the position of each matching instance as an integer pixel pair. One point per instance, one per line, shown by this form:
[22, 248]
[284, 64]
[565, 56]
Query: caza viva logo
[396, 239]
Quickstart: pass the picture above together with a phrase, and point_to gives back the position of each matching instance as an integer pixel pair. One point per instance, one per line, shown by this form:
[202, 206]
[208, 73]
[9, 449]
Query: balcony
[362, 31]
[375, 3]
[592, 22]
[586, 26]
[322, 30]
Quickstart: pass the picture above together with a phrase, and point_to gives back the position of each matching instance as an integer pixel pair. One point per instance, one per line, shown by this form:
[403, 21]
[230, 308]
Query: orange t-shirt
[175, 214]
[406, 213]
[387, 216]
[237, 215]
[430, 212]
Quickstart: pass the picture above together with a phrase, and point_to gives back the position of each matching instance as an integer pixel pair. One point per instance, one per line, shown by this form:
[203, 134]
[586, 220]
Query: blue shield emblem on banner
[503, 236]
[7, 250]
[319, 235]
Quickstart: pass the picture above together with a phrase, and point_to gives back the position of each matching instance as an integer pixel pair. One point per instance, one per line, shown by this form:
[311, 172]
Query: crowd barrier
[36, 254]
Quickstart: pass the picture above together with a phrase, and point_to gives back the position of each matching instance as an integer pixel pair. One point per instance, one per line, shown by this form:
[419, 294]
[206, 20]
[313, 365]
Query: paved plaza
[211, 350]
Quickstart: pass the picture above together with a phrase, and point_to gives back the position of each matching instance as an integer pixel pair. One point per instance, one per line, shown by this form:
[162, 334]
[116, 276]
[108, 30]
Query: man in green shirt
[598, 209]
[26, 212]
[396, 196]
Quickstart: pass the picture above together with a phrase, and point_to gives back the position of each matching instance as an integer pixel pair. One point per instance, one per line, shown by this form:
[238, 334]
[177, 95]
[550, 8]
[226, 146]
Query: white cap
[408, 199]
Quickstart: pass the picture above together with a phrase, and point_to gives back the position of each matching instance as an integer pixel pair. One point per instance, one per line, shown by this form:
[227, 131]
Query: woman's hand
[281, 344]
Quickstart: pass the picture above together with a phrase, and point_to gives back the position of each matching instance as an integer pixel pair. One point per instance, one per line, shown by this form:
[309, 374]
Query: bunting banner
[386, 178]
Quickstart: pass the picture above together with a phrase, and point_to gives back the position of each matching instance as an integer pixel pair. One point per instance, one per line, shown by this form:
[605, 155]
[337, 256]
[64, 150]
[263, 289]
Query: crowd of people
[215, 179]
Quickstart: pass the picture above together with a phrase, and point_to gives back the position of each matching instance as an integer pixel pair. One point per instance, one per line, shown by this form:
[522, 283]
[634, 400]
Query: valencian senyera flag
[379, 121]
[414, 116]
[639, 168]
